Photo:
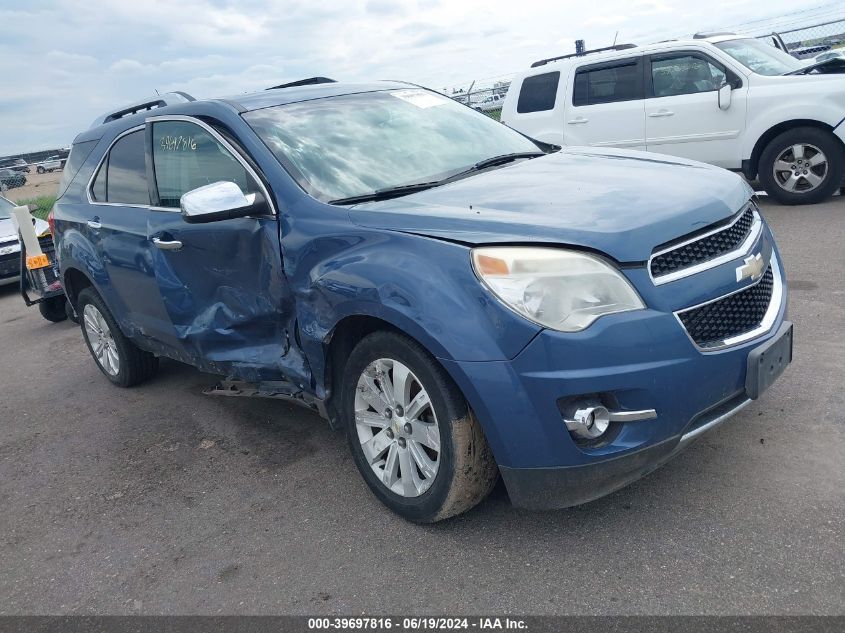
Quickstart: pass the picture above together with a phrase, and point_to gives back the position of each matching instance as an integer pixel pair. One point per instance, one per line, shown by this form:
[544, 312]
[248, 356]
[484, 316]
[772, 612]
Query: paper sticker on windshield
[420, 98]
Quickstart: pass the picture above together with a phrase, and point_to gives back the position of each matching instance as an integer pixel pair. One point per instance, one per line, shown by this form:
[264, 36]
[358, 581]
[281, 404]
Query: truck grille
[710, 246]
[710, 324]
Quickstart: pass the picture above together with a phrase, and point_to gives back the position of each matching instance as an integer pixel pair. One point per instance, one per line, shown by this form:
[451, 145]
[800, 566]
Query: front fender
[823, 111]
[422, 286]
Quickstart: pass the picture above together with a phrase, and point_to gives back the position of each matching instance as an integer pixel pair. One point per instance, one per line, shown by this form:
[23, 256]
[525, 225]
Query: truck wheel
[117, 357]
[53, 309]
[804, 165]
[40, 170]
[413, 437]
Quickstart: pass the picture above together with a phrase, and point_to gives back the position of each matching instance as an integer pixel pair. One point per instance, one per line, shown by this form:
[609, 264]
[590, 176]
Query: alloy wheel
[397, 427]
[100, 338]
[800, 168]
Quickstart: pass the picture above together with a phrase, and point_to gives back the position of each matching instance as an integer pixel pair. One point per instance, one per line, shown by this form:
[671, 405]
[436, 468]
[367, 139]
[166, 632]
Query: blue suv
[462, 300]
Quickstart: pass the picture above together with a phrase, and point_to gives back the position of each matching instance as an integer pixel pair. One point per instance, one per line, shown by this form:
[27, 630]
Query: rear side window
[186, 156]
[122, 178]
[538, 93]
[608, 84]
[78, 153]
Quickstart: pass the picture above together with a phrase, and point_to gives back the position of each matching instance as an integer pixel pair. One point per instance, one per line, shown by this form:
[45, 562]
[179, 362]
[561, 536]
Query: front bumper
[642, 360]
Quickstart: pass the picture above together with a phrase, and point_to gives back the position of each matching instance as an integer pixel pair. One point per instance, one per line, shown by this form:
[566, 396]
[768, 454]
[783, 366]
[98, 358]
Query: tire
[122, 362]
[53, 309]
[443, 482]
[802, 186]
[40, 170]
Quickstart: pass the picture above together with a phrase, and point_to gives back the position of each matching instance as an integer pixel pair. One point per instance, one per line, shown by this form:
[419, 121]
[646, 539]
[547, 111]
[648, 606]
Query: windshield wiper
[387, 193]
[401, 190]
[504, 158]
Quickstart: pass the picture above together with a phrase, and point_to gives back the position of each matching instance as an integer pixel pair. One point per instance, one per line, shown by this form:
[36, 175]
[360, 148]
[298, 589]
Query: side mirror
[724, 96]
[220, 201]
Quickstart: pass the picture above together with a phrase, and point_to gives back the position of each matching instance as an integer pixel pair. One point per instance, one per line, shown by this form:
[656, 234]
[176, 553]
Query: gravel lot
[159, 499]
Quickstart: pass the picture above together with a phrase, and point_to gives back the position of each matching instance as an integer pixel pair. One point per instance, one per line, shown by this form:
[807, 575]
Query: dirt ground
[36, 185]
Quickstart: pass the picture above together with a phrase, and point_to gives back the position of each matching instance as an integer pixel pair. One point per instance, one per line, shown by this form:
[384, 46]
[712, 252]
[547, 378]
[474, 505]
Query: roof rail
[159, 101]
[616, 47]
[304, 82]
[705, 35]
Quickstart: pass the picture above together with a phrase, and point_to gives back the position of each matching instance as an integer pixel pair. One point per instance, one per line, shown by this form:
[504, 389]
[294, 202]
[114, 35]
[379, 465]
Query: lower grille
[709, 325]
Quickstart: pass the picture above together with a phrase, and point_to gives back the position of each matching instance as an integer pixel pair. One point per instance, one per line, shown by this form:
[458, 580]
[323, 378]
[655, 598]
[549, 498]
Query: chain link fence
[486, 97]
[810, 41]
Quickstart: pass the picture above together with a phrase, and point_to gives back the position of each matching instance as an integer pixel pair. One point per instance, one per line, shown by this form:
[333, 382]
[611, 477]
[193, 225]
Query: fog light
[589, 422]
[590, 419]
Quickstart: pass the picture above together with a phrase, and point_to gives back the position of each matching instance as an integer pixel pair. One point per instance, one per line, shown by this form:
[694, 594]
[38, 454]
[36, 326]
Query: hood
[622, 203]
[8, 232]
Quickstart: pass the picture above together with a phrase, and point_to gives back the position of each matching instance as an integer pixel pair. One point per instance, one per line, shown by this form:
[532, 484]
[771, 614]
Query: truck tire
[53, 309]
[413, 437]
[804, 165]
[120, 360]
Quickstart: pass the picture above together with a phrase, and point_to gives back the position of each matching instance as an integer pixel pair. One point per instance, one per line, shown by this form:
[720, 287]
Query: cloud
[65, 61]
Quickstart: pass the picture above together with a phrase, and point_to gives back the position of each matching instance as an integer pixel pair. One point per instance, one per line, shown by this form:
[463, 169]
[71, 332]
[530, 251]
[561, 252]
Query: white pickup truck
[725, 100]
[53, 163]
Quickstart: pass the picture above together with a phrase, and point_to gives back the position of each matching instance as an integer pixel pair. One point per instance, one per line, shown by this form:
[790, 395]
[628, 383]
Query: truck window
[186, 156]
[608, 84]
[682, 74]
[126, 173]
[538, 93]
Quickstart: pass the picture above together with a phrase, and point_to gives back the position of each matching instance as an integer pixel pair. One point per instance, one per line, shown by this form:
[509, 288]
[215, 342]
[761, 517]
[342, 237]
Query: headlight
[559, 289]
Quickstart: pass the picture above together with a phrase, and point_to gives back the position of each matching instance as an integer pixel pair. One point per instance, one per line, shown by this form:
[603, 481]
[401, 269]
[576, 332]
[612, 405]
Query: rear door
[683, 117]
[116, 226]
[605, 106]
[222, 283]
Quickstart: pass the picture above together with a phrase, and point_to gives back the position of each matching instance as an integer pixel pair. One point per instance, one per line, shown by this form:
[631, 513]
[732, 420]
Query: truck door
[605, 105]
[683, 117]
[222, 282]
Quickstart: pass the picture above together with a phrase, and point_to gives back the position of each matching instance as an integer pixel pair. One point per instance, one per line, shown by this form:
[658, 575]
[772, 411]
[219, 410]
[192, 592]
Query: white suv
[729, 101]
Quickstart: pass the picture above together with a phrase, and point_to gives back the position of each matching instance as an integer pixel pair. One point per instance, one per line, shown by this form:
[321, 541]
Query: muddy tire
[414, 439]
[120, 360]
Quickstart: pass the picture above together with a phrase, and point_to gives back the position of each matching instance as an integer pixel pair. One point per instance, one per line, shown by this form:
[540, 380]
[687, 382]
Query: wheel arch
[751, 166]
[75, 281]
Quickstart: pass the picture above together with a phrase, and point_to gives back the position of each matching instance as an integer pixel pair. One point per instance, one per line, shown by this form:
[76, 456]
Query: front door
[683, 117]
[222, 282]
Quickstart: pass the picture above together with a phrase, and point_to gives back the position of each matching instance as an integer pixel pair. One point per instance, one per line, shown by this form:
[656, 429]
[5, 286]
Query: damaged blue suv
[461, 300]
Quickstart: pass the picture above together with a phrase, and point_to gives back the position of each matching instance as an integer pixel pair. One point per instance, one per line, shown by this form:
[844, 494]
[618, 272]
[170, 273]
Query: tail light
[52, 222]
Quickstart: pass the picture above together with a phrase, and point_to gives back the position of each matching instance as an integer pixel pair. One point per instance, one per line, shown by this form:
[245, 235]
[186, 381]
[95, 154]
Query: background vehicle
[15, 164]
[490, 103]
[53, 163]
[732, 102]
[346, 247]
[12, 179]
[10, 247]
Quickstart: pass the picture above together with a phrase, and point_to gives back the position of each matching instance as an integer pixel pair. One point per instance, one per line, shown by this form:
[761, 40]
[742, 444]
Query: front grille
[10, 265]
[709, 247]
[741, 312]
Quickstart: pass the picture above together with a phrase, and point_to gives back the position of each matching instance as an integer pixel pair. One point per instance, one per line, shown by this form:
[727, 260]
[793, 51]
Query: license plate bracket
[767, 362]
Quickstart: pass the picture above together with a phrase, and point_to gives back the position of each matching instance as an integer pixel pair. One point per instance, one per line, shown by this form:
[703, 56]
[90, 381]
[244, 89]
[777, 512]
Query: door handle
[94, 224]
[167, 245]
[580, 119]
[660, 113]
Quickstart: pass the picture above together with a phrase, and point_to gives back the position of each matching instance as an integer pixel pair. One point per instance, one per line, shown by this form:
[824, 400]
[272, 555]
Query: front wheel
[803, 165]
[414, 439]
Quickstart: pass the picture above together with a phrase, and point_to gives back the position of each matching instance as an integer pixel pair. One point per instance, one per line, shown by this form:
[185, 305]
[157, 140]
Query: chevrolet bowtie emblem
[752, 268]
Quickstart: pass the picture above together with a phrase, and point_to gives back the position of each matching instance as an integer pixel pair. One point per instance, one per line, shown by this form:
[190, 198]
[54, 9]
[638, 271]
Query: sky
[64, 62]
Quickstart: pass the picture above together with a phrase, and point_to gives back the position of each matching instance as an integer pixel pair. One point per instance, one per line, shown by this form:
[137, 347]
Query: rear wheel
[122, 362]
[414, 439]
[804, 165]
[40, 170]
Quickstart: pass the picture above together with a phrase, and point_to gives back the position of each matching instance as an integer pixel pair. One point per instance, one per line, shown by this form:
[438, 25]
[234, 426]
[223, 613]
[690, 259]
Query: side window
[538, 93]
[186, 156]
[126, 173]
[608, 84]
[684, 75]
[98, 190]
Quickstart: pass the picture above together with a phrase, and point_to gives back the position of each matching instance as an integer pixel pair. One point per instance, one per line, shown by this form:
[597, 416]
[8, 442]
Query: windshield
[761, 58]
[6, 207]
[356, 144]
